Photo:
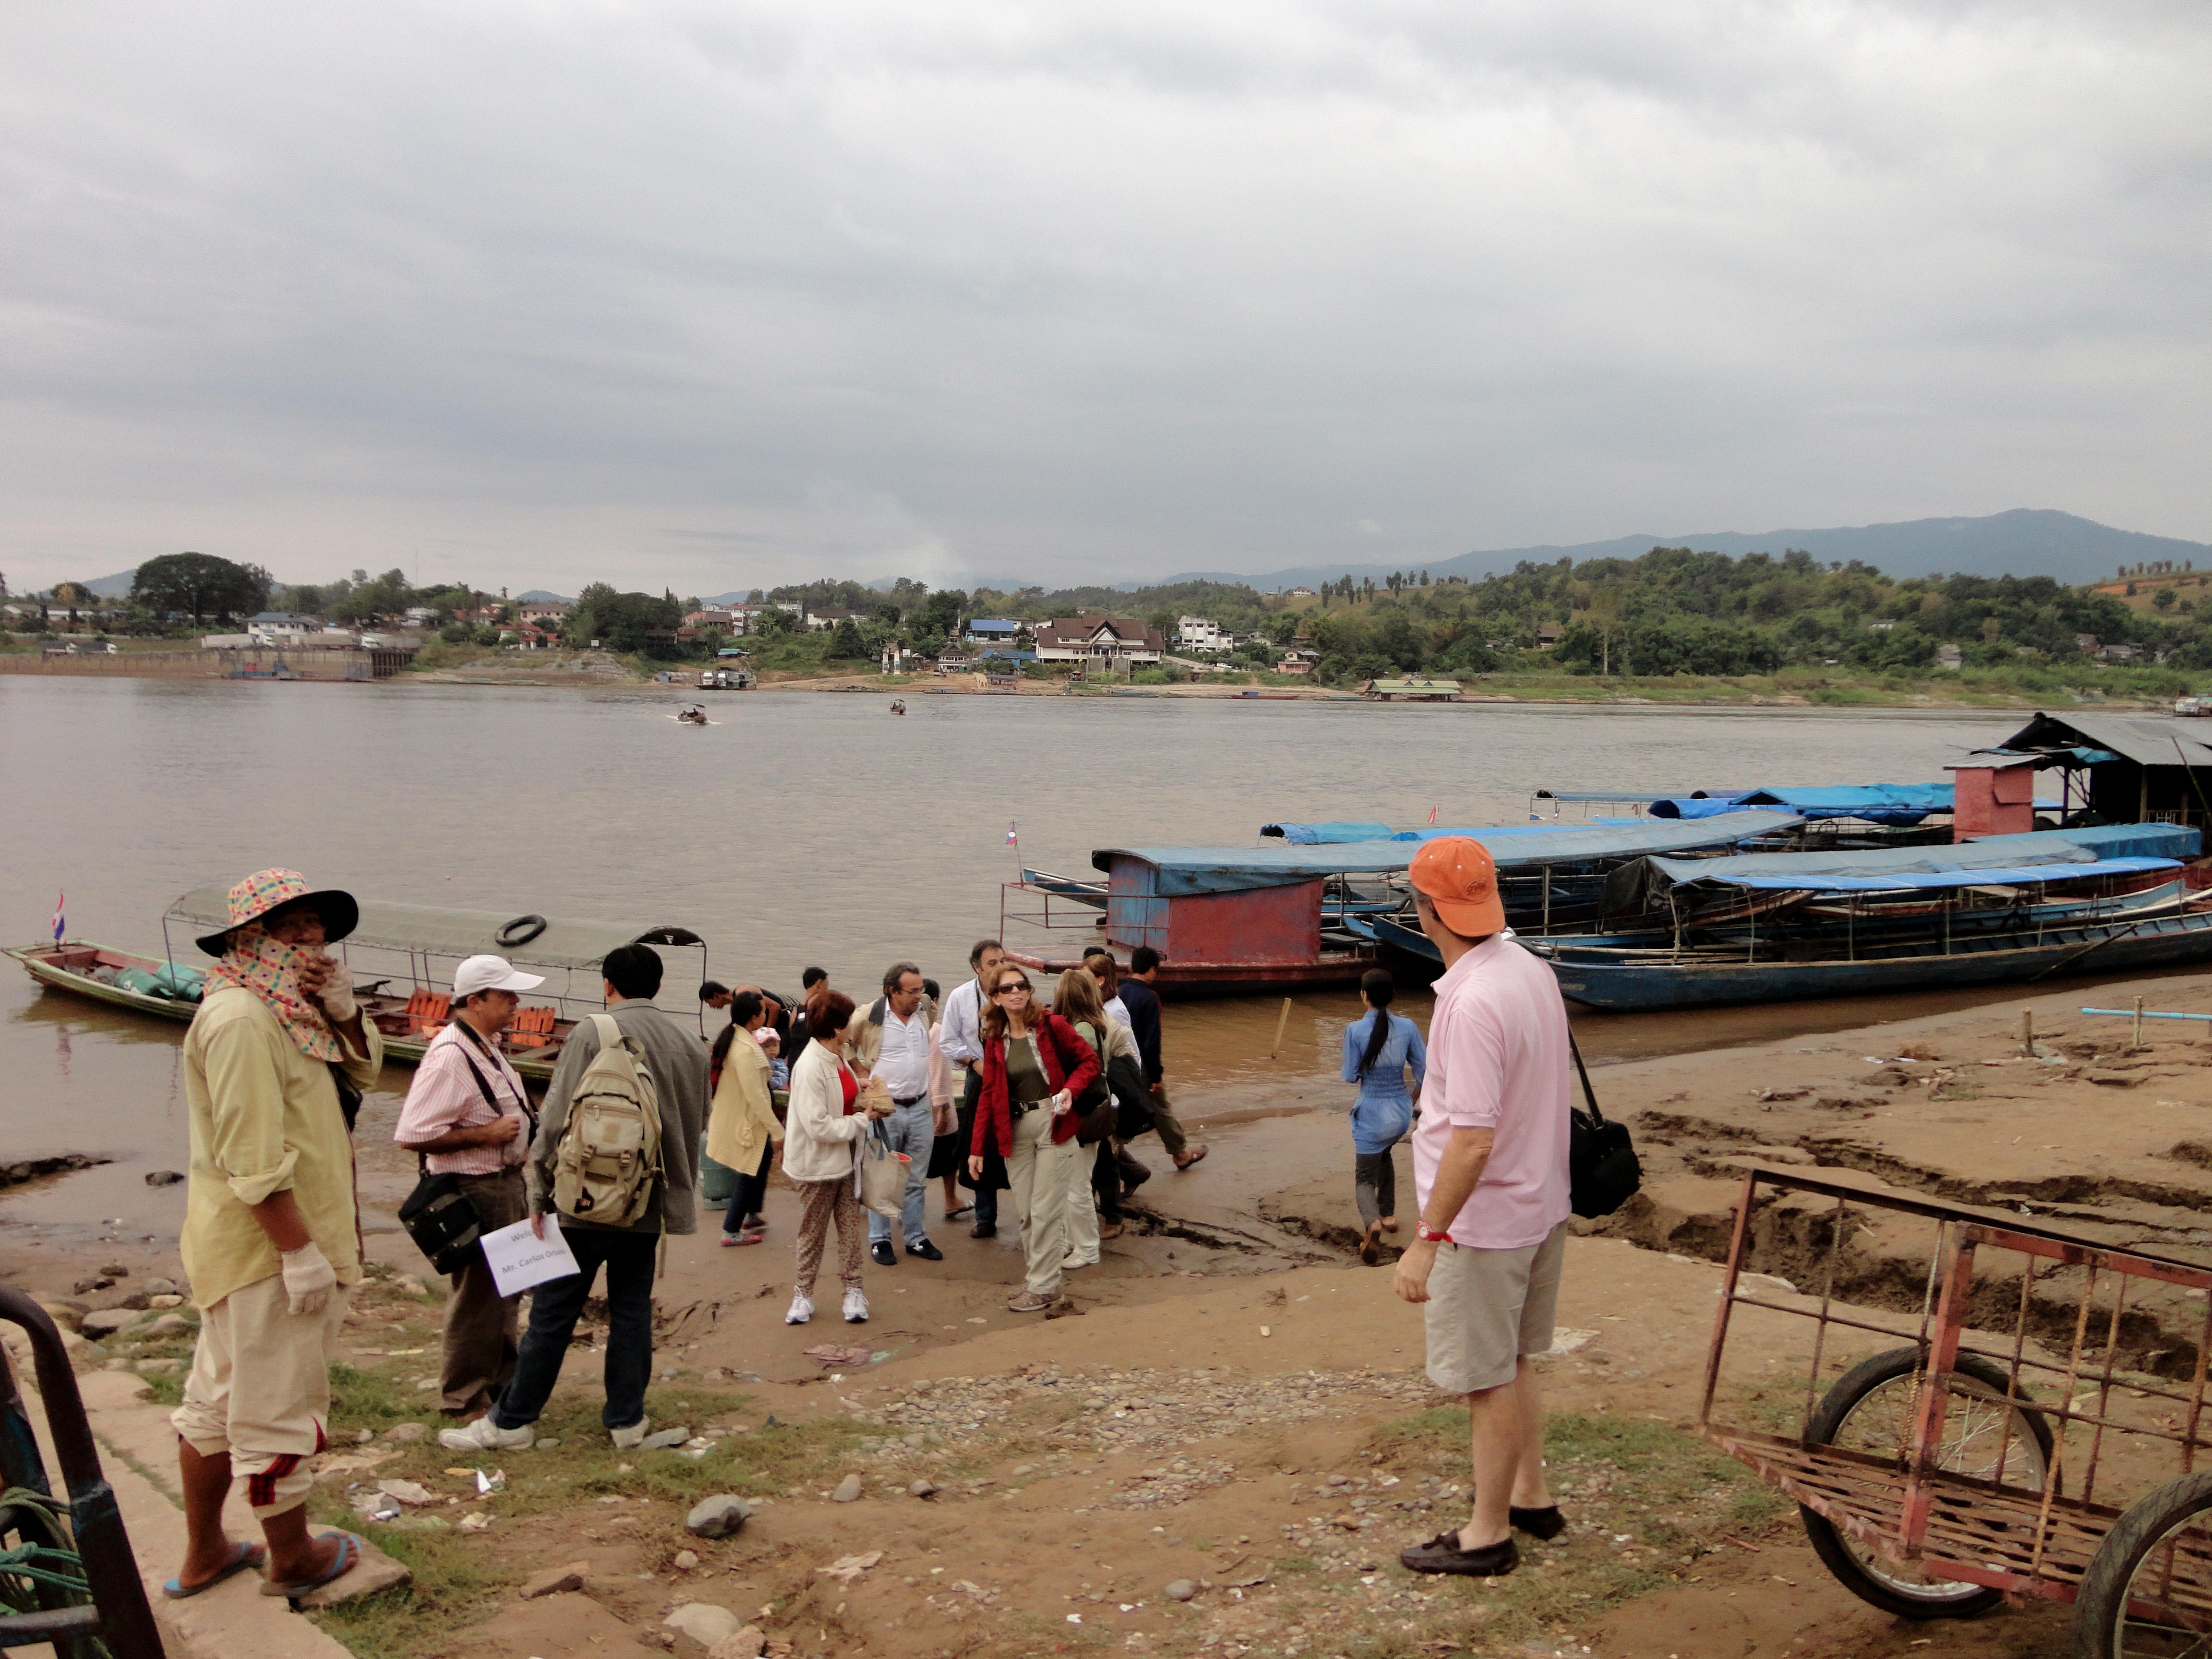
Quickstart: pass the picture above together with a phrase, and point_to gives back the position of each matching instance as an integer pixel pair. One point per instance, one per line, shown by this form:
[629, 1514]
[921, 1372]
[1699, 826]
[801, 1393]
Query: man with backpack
[617, 1158]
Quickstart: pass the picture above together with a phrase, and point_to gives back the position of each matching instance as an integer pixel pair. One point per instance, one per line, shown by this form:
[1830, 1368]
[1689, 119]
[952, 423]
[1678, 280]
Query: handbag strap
[1589, 1094]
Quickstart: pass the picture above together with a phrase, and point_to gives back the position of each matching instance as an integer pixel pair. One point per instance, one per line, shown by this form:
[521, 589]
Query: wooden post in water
[1283, 1023]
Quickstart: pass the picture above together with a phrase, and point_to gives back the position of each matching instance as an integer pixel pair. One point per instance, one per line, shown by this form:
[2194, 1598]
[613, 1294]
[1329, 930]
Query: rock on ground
[377, 1571]
[718, 1516]
[663, 1439]
[555, 1581]
[704, 1623]
[108, 1321]
[1182, 1590]
[400, 1433]
[847, 1491]
[744, 1644]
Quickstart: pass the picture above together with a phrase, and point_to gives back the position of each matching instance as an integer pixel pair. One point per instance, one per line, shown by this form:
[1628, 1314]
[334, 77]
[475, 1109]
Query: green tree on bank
[199, 586]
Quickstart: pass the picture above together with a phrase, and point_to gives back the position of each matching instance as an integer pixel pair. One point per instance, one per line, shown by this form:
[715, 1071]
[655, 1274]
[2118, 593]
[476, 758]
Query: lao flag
[1013, 838]
[58, 923]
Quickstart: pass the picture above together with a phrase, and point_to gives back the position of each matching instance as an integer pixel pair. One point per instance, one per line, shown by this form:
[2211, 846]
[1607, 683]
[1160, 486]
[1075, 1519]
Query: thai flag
[1013, 837]
[59, 925]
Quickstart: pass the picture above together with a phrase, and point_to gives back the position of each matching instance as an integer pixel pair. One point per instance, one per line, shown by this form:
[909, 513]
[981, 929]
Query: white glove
[338, 998]
[309, 1279]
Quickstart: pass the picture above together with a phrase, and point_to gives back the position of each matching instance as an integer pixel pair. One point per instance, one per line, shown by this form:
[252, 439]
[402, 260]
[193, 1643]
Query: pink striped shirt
[444, 1097]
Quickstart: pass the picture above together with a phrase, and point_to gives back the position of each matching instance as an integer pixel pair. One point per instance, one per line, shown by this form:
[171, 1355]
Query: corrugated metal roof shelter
[2141, 767]
[1190, 870]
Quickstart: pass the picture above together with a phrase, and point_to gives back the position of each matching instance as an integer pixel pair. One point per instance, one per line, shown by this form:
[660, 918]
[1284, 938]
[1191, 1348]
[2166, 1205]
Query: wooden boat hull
[1185, 981]
[47, 964]
[2163, 942]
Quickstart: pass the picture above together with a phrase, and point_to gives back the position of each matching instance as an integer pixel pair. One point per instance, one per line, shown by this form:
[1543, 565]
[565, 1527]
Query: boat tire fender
[520, 931]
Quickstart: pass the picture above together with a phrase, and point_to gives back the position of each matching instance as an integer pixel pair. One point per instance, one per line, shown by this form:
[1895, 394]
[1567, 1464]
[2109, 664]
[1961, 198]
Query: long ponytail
[1376, 986]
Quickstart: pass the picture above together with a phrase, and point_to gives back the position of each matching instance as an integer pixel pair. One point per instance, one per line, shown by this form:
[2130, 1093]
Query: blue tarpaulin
[2134, 846]
[1903, 803]
[2000, 875]
[1185, 869]
[1325, 835]
[1349, 834]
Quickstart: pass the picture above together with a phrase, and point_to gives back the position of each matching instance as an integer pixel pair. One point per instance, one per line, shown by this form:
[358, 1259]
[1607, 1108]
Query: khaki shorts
[1487, 1307]
[259, 1389]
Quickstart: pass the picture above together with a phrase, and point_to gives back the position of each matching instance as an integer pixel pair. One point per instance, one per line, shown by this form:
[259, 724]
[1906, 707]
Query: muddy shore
[1234, 1406]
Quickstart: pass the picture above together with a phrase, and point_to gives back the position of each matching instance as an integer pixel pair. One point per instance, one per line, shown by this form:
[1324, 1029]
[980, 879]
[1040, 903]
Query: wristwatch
[1429, 1235]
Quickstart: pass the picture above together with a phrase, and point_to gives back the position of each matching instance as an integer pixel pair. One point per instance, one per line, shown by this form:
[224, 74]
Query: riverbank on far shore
[1235, 1405]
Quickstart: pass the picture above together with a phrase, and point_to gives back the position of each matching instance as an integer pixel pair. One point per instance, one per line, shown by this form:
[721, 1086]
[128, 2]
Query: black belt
[907, 1100]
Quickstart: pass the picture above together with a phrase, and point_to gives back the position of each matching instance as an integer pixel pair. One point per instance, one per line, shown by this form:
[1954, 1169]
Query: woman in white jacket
[821, 1133]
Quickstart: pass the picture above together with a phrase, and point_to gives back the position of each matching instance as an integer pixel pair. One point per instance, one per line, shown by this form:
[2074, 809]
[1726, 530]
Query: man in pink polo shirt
[1490, 1172]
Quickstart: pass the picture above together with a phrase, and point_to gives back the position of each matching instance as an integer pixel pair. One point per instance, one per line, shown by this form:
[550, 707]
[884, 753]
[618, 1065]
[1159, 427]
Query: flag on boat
[58, 923]
[1433, 815]
[1013, 839]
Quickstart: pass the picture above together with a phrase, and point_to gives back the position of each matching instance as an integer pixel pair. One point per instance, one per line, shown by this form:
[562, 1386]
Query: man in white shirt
[891, 1045]
[961, 1042]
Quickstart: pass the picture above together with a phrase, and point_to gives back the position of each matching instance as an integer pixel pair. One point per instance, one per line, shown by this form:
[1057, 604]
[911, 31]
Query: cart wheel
[1870, 1409]
[2145, 1596]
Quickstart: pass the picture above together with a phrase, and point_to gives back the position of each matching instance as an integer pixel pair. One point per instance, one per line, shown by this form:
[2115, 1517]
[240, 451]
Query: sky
[706, 295]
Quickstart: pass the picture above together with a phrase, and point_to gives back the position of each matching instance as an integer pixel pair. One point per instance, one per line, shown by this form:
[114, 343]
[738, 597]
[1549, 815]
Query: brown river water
[798, 829]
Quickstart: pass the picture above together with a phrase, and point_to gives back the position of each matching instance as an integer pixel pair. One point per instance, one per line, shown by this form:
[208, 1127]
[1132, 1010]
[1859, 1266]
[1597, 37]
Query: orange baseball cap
[1458, 877]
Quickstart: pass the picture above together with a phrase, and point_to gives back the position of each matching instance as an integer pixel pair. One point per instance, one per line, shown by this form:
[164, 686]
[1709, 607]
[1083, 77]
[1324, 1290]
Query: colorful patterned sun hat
[266, 891]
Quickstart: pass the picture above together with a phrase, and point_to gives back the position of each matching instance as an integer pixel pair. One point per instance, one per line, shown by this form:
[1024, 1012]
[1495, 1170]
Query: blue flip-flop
[242, 1556]
[348, 1558]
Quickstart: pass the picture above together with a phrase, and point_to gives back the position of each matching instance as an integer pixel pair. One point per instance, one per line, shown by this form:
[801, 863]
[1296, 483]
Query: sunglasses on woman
[1008, 990]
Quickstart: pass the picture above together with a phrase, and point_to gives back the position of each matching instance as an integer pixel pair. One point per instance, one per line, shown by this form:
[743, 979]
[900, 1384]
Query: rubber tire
[2098, 1606]
[519, 932]
[1853, 1386]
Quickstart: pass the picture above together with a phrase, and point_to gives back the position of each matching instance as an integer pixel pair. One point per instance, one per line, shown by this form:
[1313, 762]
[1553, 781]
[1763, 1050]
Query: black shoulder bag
[438, 1215]
[1603, 1172]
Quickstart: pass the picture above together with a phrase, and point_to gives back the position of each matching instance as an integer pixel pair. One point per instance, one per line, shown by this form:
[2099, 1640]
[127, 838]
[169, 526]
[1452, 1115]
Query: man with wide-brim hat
[1490, 1174]
[270, 1239]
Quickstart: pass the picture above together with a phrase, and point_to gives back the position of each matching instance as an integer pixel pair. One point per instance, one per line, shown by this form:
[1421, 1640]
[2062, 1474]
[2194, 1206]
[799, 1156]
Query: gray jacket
[678, 1060]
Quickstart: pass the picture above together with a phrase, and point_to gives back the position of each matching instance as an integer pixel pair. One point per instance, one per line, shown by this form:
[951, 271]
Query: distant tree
[302, 601]
[772, 623]
[371, 598]
[636, 623]
[845, 639]
[200, 585]
[2164, 599]
[940, 612]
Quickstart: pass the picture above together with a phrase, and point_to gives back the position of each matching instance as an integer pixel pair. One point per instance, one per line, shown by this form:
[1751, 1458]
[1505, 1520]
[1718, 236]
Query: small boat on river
[409, 1002]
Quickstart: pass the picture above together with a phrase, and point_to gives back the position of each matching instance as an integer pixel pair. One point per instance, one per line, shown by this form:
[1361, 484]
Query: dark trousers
[480, 1322]
[987, 1198]
[1374, 1186]
[555, 1307]
[746, 1197]
[1106, 1180]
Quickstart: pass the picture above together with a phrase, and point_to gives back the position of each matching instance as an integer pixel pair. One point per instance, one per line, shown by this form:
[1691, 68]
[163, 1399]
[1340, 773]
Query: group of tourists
[1008, 1086]
[1001, 1087]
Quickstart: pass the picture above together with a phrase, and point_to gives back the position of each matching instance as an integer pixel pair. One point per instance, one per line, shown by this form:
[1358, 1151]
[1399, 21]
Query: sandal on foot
[955, 1215]
[242, 1556]
[348, 1558]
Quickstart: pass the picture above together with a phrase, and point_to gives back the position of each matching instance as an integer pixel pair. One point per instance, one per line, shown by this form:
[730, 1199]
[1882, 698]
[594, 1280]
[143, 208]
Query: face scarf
[271, 970]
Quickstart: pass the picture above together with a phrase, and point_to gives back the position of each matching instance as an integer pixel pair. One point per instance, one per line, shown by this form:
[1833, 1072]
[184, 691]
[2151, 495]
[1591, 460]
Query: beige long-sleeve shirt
[741, 1119]
[264, 1117]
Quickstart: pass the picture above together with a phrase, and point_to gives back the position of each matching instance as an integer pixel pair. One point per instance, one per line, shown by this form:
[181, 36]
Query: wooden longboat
[408, 1004]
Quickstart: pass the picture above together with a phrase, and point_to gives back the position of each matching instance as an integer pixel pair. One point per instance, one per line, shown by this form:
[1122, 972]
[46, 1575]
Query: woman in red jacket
[1033, 1065]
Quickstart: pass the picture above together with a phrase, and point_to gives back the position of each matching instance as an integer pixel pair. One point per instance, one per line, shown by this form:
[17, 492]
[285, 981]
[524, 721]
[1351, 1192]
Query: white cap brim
[489, 973]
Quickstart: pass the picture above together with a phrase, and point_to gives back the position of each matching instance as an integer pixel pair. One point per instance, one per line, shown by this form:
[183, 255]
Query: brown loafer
[1190, 1155]
[1442, 1555]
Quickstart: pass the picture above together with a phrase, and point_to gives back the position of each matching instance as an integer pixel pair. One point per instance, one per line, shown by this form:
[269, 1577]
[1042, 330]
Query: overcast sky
[717, 293]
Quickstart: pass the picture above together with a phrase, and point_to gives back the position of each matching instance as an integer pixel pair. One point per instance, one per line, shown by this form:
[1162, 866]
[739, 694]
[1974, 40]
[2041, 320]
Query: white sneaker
[631, 1438]
[484, 1435]
[1068, 1264]
[856, 1307]
[801, 1309]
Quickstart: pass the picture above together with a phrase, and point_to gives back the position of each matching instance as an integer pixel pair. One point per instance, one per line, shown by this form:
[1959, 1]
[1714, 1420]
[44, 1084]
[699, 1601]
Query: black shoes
[926, 1250]
[1442, 1555]
[880, 1254]
[1546, 1524]
[984, 1229]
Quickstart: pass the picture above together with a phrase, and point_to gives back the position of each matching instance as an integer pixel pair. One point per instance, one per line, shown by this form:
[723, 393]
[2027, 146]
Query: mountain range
[2025, 542]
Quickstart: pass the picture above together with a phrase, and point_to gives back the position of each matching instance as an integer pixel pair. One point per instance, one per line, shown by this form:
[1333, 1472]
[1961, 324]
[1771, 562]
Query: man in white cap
[467, 1115]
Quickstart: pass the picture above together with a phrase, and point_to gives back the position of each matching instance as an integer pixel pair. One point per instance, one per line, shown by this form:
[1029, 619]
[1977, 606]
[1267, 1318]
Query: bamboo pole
[2028, 1033]
[1282, 1024]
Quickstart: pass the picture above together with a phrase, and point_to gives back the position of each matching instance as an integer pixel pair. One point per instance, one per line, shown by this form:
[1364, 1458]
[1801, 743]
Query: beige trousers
[1037, 1174]
[1082, 1205]
[260, 1389]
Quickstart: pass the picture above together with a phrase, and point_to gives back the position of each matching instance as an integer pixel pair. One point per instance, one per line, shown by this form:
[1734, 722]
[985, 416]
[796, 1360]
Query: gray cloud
[710, 295]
